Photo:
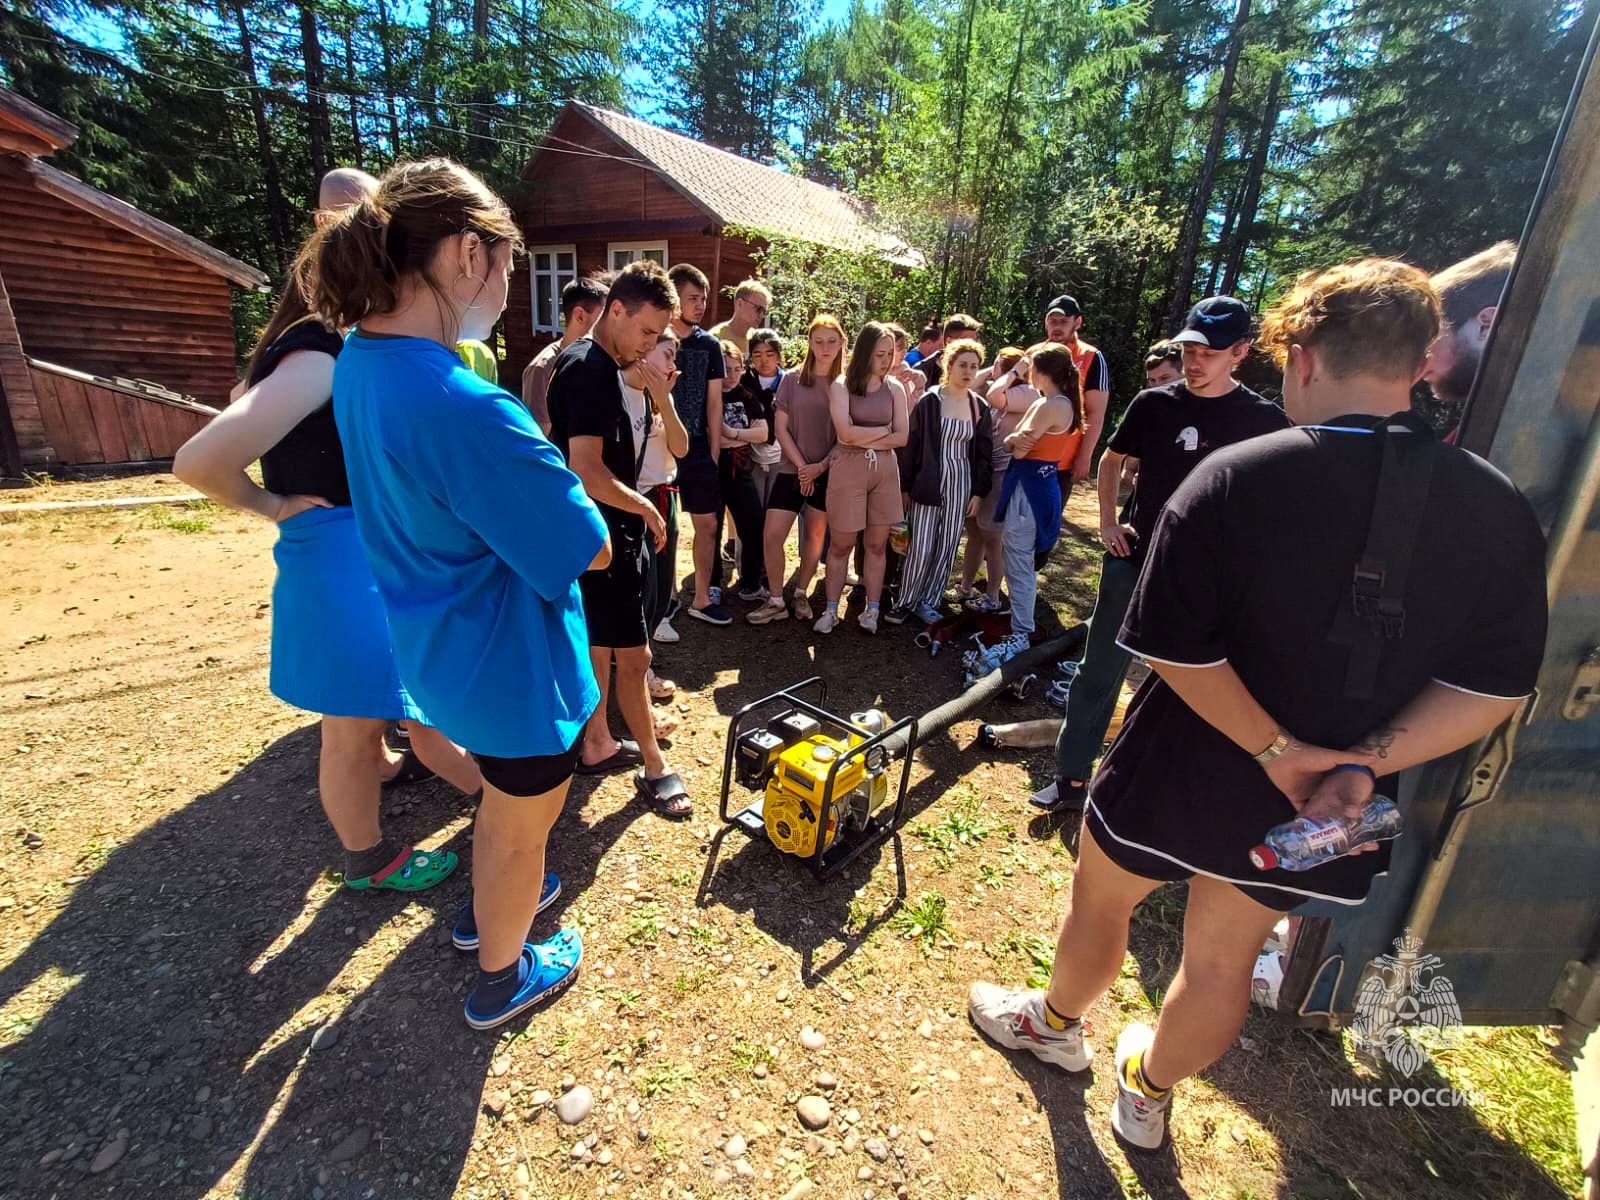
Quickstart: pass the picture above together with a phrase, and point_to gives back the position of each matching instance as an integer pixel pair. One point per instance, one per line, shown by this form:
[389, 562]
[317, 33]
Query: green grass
[663, 1079]
[923, 921]
[643, 927]
[692, 981]
[191, 518]
[1527, 1092]
[1036, 951]
[746, 1055]
[965, 825]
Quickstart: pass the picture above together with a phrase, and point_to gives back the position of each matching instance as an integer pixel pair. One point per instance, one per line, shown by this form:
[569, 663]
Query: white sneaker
[1137, 1119]
[773, 610]
[802, 607]
[1016, 1021]
[827, 622]
[868, 620]
[664, 631]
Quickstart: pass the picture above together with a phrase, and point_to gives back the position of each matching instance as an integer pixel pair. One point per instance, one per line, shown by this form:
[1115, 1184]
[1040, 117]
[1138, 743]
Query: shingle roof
[738, 191]
[141, 224]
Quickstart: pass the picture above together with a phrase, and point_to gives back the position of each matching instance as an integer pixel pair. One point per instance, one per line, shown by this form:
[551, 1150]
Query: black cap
[1217, 321]
[1065, 305]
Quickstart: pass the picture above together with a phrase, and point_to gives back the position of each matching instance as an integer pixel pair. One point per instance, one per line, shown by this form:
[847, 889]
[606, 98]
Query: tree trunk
[1200, 204]
[430, 60]
[1225, 237]
[956, 147]
[480, 150]
[388, 80]
[278, 217]
[1002, 144]
[1252, 191]
[319, 132]
[350, 95]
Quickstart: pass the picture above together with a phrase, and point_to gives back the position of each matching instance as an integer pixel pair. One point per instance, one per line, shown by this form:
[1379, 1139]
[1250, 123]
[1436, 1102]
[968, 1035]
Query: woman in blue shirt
[476, 533]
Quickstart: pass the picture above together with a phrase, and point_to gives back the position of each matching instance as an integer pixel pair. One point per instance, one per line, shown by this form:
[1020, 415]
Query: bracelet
[1368, 771]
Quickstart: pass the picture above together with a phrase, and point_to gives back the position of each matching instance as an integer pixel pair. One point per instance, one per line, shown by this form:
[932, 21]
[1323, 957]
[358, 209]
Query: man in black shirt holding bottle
[1170, 430]
[1319, 604]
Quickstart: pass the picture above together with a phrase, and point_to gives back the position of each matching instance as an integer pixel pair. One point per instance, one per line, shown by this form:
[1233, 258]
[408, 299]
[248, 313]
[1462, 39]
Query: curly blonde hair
[1374, 316]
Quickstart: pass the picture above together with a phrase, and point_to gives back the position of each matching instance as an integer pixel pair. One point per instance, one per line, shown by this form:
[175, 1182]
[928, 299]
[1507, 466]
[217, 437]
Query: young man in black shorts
[698, 395]
[1351, 591]
[1170, 430]
[603, 442]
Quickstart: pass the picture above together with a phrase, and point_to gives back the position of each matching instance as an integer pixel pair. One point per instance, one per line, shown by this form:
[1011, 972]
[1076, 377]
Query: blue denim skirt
[330, 636]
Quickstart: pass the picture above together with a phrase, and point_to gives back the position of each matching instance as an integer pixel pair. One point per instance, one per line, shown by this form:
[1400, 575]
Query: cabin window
[620, 254]
[551, 268]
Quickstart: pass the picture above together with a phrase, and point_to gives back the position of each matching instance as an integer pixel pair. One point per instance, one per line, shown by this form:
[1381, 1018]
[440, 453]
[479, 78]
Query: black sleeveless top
[309, 460]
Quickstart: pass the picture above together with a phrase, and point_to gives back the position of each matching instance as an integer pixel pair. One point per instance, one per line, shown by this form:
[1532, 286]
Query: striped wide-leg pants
[936, 530]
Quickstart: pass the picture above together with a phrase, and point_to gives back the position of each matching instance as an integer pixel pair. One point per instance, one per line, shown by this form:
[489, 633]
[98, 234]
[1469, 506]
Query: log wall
[88, 422]
[96, 298]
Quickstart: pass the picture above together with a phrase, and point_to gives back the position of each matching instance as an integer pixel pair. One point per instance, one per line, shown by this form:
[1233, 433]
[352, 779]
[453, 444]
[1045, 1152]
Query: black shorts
[699, 487]
[786, 494]
[1122, 847]
[532, 776]
[613, 599]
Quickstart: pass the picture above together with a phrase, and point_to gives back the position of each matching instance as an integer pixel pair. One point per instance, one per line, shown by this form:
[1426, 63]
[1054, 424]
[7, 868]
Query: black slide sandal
[666, 795]
[412, 770]
[626, 755]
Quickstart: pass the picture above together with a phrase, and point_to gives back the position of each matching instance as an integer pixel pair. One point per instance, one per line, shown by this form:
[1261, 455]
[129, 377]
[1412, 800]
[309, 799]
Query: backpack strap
[1375, 612]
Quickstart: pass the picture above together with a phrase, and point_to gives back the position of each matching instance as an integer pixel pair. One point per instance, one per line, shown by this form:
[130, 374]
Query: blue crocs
[465, 934]
[548, 969]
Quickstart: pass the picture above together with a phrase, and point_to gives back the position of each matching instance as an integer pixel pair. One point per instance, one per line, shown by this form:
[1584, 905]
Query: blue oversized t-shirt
[477, 533]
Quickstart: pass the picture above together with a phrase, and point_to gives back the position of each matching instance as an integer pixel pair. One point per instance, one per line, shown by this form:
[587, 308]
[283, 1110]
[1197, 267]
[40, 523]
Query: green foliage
[660, 1080]
[924, 921]
[1024, 148]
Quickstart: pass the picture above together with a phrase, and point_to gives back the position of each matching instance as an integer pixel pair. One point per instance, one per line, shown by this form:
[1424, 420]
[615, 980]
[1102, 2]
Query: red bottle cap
[1263, 857]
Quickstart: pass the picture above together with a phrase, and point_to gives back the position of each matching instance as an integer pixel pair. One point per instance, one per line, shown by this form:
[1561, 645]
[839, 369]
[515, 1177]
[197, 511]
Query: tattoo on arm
[1379, 741]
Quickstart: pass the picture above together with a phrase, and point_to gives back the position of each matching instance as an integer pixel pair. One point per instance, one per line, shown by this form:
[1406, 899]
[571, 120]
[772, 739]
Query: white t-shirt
[658, 467]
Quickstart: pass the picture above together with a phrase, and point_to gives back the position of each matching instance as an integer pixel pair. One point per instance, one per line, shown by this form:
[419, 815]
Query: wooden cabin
[116, 330]
[605, 189]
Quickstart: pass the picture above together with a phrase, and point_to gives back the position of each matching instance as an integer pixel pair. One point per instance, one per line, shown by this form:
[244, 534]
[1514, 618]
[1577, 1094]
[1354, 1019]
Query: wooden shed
[116, 330]
[604, 189]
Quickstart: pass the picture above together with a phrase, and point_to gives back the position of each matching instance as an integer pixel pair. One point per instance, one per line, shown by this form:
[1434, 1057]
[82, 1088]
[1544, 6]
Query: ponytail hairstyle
[355, 265]
[1054, 363]
[859, 373]
[808, 366]
[291, 310]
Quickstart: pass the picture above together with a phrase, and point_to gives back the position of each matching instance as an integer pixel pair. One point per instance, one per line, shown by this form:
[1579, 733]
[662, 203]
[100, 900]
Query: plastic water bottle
[1308, 842]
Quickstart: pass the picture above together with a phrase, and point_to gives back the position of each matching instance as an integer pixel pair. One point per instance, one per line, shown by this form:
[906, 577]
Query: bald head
[342, 187]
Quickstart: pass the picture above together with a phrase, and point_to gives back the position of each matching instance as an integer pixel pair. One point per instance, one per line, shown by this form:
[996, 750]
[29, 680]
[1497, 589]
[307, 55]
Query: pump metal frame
[824, 861]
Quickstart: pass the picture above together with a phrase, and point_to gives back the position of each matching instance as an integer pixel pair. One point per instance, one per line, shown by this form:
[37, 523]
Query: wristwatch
[1279, 744]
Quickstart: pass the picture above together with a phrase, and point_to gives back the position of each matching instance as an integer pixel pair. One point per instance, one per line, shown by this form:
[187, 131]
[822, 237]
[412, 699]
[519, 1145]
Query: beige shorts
[862, 494]
[988, 519]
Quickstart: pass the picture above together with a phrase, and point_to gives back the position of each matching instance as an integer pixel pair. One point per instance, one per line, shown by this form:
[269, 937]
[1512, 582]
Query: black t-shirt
[1250, 564]
[585, 399]
[747, 402]
[309, 459]
[699, 362]
[1170, 430]
[932, 368]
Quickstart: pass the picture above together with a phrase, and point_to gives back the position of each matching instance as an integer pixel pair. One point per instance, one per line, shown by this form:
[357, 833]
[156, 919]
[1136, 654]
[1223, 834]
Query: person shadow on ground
[210, 1014]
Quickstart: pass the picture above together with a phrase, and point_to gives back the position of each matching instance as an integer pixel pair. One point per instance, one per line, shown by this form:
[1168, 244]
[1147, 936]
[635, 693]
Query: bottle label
[1322, 835]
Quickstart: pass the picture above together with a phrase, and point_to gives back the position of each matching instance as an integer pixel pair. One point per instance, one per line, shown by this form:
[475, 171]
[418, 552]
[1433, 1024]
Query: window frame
[555, 278]
[638, 250]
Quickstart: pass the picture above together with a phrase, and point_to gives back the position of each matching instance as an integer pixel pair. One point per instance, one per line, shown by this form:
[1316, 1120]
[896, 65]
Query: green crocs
[412, 870]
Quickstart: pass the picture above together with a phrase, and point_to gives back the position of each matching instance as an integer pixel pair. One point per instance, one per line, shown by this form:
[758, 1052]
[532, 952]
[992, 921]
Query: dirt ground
[191, 1006]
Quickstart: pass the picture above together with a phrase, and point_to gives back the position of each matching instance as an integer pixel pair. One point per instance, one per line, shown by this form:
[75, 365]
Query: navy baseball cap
[1065, 305]
[1218, 322]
